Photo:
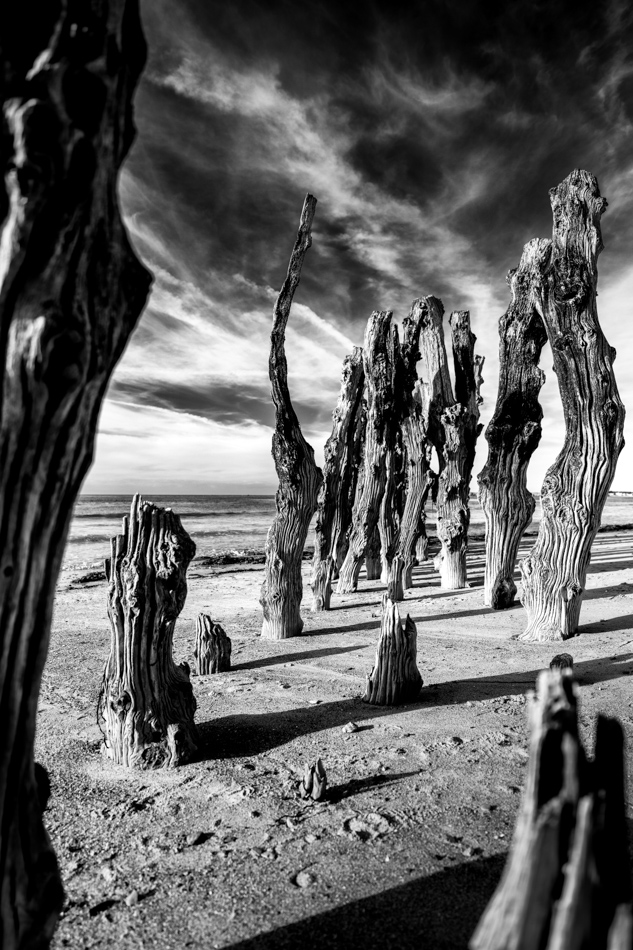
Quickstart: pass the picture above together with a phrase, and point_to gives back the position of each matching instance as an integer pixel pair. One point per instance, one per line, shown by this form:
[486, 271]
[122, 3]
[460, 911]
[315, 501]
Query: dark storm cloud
[228, 405]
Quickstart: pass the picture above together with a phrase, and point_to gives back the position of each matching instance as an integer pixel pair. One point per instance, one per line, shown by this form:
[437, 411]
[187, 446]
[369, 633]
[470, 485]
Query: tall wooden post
[340, 474]
[514, 430]
[71, 291]
[453, 430]
[299, 476]
[381, 352]
[576, 485]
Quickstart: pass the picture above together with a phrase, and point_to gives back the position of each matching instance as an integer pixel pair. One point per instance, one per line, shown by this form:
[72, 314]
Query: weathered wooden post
[71, 290]
[576, 486]
[381, 353]
[373, 563]
[453, 430]
[395, 678]
[567, 880]
[146, 706]
[340, 475]
[212, 651]
[299, 476]
[514, 430]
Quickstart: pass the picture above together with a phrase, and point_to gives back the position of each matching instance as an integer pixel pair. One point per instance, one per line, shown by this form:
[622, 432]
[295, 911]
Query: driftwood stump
[146, 706]
[373, 562]
[576, 486]
[299, 476]
[381, 353]
[567, 882]
[340, 475]
[314, 781]
[453, 430]
[514, 431]
[422, 543]
[71, 291]
[212, 650]
[395, 678]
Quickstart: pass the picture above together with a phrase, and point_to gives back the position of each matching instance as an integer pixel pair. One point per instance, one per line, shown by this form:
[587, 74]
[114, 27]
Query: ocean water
[224, 523]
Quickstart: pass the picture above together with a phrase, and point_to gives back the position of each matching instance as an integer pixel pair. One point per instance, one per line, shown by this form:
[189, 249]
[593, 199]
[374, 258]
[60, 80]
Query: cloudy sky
[429, 132]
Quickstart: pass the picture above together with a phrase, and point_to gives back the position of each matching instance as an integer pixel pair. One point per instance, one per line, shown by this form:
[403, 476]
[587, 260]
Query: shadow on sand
[438, 912]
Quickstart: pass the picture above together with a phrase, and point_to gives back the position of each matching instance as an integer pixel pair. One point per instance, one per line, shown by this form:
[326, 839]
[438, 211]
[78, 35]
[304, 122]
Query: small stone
[350, 727]
[304, 879]
[563, 661]
[310, 839]
[107, 874]
[196, 838]
[132, 898]
[315, 702]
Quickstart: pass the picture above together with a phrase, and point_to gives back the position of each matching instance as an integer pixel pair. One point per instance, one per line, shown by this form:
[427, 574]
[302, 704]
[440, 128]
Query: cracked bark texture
[395, 678]
[373, 563]
[71, 291]
[577, 484]
[453, 430]
[514, 431]
[212, 650]
[381, 354]
[299, 477]
[340, 475]
[567, 880]
[419, 476]
[146, 706]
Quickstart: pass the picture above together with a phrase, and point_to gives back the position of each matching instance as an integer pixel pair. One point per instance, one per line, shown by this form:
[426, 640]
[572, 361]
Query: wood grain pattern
[299, 476]
[71, 291]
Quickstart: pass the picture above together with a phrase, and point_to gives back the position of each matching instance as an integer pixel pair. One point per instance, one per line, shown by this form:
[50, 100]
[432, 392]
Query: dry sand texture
[411, 842]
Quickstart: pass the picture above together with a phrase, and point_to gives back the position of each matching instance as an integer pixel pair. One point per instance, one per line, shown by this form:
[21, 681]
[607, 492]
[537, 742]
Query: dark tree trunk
[373, 563]
[513, 433]
[340, 474]
[146, 705]
[212, 651]
[381, 353]
[577, 484]
[71, 290]
[454, 429]
[299, 477]
[567, 880]
[395, 678]
[392, 505]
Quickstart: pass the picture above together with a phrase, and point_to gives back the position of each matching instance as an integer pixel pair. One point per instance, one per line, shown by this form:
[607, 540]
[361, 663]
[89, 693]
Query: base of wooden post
[395, 678]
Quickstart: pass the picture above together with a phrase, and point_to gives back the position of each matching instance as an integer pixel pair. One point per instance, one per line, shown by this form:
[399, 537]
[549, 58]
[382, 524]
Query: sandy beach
[411, 842]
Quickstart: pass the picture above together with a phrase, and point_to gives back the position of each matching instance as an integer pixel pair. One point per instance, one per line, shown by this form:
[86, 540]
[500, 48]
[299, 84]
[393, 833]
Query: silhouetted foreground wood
[566, 884]
[395, 678]
[147, 706]
[577, 484]
[212, 651]
[340, 476]
[513, 432]
[299, 476]
[381, 353]
[71, 290]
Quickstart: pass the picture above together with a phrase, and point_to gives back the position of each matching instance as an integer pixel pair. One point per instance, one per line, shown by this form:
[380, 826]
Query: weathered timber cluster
[567, 880]
[72, 290]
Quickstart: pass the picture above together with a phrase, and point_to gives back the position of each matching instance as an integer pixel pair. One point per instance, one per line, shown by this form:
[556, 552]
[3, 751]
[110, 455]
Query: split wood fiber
[420, 479]
[373, 564]
[513, 433]
[343, 454]
[576, 486]
[453, 429]
[71, 291]
[567, 881]
[395, 678]
[212, 651]
[381, 353]
[147, 707]
[299, 477]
